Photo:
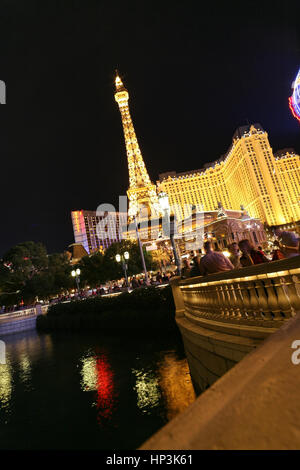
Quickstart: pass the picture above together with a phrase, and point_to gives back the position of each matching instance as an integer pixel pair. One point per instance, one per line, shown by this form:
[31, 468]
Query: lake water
[87, 391]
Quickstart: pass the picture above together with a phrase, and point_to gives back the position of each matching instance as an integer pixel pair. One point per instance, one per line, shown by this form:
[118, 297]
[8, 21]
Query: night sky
[194, 73]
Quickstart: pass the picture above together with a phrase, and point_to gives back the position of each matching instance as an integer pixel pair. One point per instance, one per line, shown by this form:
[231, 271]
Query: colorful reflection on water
[105, 388]
[97, 375]
[67, 391]
[147, 389]
[5, 385]
[175, 383]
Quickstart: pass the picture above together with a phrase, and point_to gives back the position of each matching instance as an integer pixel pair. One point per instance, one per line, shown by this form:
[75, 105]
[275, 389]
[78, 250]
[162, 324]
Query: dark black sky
[194, 72]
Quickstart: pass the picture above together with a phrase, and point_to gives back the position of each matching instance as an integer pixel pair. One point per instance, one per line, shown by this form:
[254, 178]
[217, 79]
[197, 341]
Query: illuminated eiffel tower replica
[142, 195]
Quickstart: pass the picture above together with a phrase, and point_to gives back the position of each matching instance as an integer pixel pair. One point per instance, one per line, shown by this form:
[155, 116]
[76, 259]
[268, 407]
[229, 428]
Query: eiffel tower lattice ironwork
[141, 191]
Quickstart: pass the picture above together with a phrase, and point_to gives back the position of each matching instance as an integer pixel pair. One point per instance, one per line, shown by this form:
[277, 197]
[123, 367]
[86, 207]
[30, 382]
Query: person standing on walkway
[289, 242]
[235, 255]
[250, 256]
[214, 262]
[186, 270]
[195, 271]
[277, 254]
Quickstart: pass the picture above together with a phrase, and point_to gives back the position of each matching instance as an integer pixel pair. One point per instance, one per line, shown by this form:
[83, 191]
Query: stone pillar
[38, 309]
[177, 295]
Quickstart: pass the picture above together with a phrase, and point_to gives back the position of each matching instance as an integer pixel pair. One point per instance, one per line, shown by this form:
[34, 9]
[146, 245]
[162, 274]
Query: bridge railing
[24, 313]
[18, 313]
[255, 405]
[262, 295]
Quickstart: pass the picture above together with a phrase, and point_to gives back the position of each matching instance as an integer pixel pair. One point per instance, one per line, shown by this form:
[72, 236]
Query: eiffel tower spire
[141, 191]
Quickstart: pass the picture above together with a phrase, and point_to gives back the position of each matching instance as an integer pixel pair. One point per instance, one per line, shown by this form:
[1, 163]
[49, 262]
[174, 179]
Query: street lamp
[141, 251]
[169, 226]
[164, 201]
[76, 274]
[124, 258]
[249, 227]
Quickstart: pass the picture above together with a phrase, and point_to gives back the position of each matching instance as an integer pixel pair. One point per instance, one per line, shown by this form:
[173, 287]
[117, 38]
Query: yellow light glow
[176, 386]
[5, 384]
[147, 389]
[25, 367]
[238, 186]
[88, 374]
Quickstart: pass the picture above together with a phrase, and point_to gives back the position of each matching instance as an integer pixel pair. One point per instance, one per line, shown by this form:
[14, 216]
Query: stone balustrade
[260, 295]
[224, 316]
[255, 405]
[4, 317]
[20, 320]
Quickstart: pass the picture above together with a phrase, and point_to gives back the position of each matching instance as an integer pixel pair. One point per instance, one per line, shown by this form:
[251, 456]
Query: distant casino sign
[294, 100]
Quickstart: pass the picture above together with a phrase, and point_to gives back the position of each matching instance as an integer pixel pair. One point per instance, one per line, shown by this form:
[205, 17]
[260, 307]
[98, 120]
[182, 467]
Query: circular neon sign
[294, 100]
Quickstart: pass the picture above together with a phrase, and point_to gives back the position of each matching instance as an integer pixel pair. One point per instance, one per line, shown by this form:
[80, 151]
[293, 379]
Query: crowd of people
[134, 282]
[241, 254]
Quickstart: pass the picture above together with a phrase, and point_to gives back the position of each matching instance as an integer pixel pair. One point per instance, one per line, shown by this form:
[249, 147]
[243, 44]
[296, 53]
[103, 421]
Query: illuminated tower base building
[96, 233]
[221, 227]
[249, 175]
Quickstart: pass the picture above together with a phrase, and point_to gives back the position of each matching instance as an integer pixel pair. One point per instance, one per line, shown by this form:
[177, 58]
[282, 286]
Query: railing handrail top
[16, 312]
[264, 268]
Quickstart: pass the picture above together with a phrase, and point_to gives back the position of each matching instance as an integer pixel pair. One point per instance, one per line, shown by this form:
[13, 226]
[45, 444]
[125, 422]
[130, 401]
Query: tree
[28, 268]
[161, 257]
[5, 278]
[26, 258]
[19, 264]
[98, 268]
[60, 269]
[135, 266]
[93, 271]
[27, 272]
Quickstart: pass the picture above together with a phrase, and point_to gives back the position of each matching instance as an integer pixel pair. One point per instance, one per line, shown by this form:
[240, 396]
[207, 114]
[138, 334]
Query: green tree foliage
[60, 269]
[28, 270]
[5, 278]
[134, 263]
[27, 258]
[20, 264]
[93, 271]
[98, 268]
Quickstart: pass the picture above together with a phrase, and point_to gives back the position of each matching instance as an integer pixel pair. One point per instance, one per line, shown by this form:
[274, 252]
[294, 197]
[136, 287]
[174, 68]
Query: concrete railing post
[257, 295]
[177, 295]
[224, 316]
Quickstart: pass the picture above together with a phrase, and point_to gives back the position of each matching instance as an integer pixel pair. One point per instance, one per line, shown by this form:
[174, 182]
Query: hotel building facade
[267, 186]
[95, 232]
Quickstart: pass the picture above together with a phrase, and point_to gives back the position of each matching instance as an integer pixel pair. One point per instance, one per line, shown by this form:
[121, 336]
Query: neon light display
[294, 100]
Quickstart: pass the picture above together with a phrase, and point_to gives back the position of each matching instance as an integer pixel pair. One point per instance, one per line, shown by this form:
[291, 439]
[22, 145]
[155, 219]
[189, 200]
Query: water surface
[87, 391]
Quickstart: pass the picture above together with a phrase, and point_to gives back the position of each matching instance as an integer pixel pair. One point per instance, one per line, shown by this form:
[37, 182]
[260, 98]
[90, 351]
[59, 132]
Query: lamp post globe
[164, 201]
[169, 225]
[123, 258]
[76, 274]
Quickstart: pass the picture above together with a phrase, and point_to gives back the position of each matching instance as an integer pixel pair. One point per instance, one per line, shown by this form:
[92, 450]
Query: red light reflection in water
[106, 393]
